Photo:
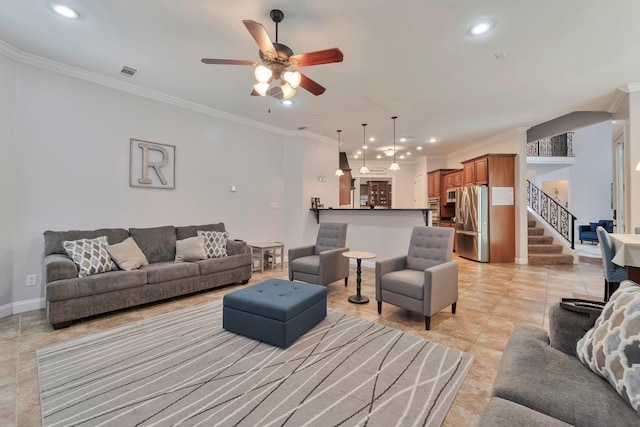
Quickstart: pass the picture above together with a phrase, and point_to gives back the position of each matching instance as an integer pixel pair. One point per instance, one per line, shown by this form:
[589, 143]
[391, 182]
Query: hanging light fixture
[364, 169]
[394, 166]
[339, 171]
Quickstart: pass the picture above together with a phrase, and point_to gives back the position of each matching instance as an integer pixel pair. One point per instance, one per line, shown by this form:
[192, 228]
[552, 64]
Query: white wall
[632, 148]
[591, 175]
[72, 152]
[7, 110]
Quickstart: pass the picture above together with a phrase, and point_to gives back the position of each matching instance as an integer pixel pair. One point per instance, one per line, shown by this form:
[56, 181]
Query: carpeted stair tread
[550, 259]
[539, 240]
[545, 249]
[531, 224]
[534, 231]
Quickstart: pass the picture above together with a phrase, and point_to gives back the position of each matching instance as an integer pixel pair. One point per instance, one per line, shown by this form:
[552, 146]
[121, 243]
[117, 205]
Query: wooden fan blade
[311, 85]
[261, 37]
[228, 61]
[316, 58]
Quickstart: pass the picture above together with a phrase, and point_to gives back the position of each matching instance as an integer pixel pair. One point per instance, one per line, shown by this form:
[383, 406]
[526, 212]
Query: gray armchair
[323, 262]
[426, 279]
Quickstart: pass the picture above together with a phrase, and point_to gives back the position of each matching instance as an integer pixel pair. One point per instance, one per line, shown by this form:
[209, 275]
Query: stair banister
[552, 212]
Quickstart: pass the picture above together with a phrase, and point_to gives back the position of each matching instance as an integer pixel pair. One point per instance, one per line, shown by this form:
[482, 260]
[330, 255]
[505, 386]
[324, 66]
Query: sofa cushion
[535, 375]
[53, 240]
[166, 271]
[158, 243]
[97, 284]
[215, 243]
[504, 413]
[187, 231]
[215, 265]
[190, 249]
[90, 255]
[127, 255]
[611, 348]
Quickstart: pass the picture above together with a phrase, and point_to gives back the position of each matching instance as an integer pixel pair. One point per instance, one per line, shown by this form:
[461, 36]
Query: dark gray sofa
[70, 297]
[541, 382]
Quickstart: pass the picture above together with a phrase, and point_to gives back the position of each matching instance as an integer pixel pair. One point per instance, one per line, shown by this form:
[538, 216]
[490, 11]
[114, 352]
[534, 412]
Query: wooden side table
[260, 250]
[358, 256]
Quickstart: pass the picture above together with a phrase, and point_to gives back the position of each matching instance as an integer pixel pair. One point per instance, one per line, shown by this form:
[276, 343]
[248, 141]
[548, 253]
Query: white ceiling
[409, 58]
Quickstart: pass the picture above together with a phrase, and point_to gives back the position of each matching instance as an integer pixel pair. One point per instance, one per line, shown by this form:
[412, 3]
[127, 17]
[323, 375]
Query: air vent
[128, 71]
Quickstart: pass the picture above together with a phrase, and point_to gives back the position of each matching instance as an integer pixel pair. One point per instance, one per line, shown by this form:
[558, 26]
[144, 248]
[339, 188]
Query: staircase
[542, 250]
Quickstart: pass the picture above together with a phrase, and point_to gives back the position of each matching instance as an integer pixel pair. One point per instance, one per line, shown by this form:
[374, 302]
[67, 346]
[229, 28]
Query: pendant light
[364, 169]
[339, 171]
[394, 166]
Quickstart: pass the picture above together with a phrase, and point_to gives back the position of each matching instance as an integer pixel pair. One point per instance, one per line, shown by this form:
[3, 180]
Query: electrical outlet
[32, 279]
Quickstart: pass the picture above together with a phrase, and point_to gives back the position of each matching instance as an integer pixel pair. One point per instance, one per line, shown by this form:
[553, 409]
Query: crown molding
[618, 98]
[57, 67]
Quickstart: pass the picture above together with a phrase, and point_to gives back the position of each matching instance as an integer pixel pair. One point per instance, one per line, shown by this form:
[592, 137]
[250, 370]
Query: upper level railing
[555, 146]
[551, 211]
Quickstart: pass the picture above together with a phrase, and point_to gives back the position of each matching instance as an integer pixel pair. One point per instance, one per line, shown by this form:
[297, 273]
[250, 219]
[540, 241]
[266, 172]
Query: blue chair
[613, 274]
[587, 233]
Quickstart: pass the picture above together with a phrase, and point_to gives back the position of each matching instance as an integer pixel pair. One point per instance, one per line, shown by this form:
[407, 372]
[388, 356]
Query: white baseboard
[28, 305]
[6, 310]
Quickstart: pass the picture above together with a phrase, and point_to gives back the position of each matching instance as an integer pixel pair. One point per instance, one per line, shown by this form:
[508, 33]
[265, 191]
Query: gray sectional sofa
[69, 297]
[541, 382]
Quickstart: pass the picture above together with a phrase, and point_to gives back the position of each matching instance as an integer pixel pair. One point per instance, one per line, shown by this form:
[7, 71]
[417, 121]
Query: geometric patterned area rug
[182, 368]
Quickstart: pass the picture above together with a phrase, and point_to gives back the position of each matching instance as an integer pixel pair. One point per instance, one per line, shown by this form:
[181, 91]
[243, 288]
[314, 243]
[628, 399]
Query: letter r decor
[152, 165]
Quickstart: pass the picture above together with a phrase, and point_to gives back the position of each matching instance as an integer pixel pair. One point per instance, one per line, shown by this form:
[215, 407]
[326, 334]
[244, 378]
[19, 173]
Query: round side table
[358, 256]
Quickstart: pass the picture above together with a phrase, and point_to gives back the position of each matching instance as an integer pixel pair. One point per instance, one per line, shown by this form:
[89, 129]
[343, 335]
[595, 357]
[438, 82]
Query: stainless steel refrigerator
[472, 222]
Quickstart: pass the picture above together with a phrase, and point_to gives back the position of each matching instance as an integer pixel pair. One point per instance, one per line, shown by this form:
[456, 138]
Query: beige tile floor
[493, 298]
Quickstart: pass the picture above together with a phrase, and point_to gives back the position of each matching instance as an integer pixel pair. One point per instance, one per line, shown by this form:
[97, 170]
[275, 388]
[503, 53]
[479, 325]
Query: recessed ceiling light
[359, 152]
[287, 102]
[378, 156]
[372, 139]
[364, 147]
[432, 140]
[418, 148]
[355, 156]
[403, 139]
[481, 27]
[63, 10]
[401, 157]
[409, 153]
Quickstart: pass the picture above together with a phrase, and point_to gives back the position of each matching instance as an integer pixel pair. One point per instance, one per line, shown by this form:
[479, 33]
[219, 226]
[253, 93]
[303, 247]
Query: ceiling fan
[276, 58]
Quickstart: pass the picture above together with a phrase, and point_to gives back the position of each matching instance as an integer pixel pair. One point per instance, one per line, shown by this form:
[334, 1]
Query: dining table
[626, 248]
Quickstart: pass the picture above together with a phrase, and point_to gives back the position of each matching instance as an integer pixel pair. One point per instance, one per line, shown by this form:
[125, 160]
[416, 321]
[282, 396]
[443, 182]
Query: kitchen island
[385, 232]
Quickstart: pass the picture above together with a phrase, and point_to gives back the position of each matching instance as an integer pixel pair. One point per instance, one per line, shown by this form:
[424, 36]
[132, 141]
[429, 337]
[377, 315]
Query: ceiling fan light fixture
[287, 91]
[261, 88]
[263, 74]
[293, 78]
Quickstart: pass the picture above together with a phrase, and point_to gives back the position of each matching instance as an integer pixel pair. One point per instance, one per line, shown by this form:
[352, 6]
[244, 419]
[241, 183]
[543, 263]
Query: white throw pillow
[611, 348]
[127, 255]
[191, 249]
[215, 243]
[90, 255]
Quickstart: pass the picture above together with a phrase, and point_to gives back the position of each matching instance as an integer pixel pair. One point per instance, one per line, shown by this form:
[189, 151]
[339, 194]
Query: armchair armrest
[237, 247]
[333, 265]
[300, 252]
[566, 328]
[387, 266]
[584, 228]
[59, 267]
[440, 287]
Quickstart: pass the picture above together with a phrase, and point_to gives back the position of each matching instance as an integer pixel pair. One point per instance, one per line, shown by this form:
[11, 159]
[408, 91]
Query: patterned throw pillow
[90, 255]
[611, 348]
[215, 243]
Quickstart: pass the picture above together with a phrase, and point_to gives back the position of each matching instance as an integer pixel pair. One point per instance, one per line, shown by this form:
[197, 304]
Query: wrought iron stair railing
[555, 146]
[552, 212]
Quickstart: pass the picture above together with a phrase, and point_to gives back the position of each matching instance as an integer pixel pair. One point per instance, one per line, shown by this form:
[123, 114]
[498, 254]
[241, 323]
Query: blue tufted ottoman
[275, 311]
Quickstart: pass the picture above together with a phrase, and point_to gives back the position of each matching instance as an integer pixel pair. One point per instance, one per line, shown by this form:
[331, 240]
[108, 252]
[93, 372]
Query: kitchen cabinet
[345, 187]
[376, 193]
[433, 184]
[457, 179]
[497, 171]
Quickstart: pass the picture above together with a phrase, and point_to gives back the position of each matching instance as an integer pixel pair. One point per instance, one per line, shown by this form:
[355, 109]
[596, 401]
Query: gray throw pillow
[127, 255]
